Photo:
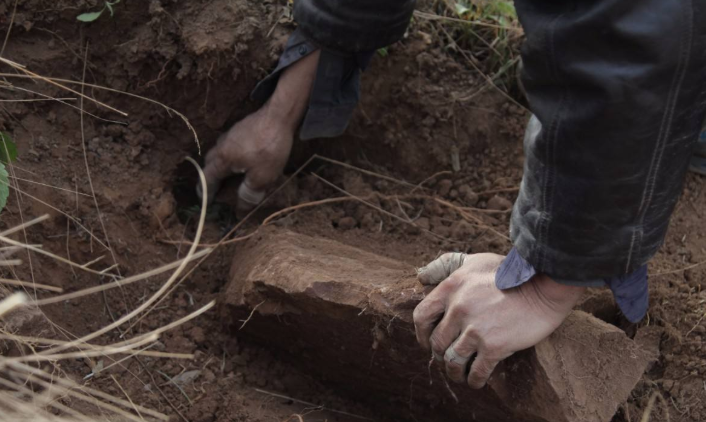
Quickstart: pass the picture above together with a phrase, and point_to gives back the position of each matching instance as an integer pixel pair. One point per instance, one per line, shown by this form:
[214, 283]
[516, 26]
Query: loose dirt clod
[347, 315]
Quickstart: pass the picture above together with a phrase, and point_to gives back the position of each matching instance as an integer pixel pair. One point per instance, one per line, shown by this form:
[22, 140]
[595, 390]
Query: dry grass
[486, 33]
[33, 386]
[44, 400]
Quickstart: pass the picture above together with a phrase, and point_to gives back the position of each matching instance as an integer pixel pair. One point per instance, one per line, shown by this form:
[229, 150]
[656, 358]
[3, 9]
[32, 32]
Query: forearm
[619, 94]
[290, 99]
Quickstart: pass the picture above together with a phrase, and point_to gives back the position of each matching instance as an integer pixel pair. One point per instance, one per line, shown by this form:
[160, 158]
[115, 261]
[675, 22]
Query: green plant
[8, 152]
[490, 31]
[91, 16]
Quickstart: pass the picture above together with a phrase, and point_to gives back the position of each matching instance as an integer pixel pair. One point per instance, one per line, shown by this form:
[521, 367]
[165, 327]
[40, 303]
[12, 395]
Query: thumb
[441, 268]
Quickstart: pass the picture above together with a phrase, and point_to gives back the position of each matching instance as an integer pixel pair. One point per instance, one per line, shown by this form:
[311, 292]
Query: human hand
[257, 146]
[260, 144]
[467, 314]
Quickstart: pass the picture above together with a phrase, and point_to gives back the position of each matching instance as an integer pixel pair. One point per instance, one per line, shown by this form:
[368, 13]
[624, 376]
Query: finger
[441, 268]
[261, 175]
[443, 336]
[217, 168]
[427, 314]
[481, 369]
[248, 198]
[217, 165]
[457, 356]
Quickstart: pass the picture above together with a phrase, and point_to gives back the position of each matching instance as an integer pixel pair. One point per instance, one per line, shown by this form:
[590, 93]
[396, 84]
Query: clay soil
[426, 116]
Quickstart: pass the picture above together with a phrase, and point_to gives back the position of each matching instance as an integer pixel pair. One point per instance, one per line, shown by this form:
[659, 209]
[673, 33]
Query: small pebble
[347, 223]
[444, 187]
[499, 203]
[468, 196]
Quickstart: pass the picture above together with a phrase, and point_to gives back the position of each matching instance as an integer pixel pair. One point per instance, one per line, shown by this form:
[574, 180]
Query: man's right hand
[259, 145]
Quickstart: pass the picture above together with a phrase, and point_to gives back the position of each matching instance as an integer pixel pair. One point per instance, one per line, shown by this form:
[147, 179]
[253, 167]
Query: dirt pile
[347, 314]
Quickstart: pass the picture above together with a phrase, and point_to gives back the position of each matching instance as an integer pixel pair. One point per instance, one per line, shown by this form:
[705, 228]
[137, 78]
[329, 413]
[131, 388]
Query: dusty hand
[466, 314]
[260, 144]
[259, 147]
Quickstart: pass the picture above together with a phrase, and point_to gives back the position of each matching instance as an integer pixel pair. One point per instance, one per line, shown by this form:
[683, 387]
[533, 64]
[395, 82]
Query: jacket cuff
[630, 291]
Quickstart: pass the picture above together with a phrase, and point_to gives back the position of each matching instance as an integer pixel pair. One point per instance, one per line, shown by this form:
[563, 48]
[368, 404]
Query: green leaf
[8, 150]
[506, 8]
[89, 17]
[383, 52]
[4, 186]
[461, 9]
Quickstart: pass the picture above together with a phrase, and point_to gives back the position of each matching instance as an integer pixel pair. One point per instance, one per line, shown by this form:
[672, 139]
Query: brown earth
[423, 109]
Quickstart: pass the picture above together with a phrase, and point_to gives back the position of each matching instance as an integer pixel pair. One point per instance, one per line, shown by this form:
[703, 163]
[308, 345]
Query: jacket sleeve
[618, 92]
[353, 26]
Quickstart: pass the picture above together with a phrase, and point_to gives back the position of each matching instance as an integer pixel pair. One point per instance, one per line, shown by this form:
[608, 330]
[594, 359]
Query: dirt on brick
[448, 146]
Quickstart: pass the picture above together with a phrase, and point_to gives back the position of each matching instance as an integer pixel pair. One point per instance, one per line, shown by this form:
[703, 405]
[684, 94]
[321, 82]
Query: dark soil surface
[426, 116]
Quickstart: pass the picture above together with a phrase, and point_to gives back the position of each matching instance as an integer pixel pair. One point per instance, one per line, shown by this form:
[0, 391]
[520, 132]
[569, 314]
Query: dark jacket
[353, 26]
[618, 88]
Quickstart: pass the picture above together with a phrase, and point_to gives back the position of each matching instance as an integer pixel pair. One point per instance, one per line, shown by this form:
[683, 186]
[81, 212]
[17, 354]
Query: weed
[490, 31]
[91, 16]
[8, 152]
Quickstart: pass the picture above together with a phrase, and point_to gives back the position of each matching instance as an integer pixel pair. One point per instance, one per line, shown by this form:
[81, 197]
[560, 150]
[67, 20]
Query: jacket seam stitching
[665, 130]
[549, 180]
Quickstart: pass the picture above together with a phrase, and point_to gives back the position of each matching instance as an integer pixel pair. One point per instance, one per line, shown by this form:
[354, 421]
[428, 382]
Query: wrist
[556, 295]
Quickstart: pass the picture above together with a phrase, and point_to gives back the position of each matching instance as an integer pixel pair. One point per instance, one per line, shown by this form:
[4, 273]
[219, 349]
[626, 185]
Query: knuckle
[480, 372]
[476, 383]
[449, 285]
[483, 369]
[470, 333]
[457, 312]
[450, 362]
[454, 280]
[476, 380]
[418, 315]
[493, 348]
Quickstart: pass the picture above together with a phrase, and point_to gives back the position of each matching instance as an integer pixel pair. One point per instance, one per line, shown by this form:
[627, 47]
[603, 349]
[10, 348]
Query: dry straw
[31, 390]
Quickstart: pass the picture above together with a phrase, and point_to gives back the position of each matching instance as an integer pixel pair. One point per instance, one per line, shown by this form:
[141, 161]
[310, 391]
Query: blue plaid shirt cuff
[630, 291]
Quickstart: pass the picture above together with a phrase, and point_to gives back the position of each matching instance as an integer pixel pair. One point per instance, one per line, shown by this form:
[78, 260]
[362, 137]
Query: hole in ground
[185, 179]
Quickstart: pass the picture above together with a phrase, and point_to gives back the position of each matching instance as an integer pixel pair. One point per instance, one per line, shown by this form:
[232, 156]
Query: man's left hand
[467, 315]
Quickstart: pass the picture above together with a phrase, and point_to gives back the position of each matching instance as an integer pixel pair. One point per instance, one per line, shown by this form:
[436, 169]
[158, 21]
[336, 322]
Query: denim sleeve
[630, 291]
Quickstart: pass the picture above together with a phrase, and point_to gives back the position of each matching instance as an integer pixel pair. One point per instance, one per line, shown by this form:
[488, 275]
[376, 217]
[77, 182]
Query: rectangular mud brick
[346, 315]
